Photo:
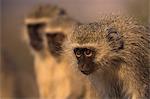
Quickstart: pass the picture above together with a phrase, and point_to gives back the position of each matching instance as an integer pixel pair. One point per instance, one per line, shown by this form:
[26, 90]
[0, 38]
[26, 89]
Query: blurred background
[16, 57]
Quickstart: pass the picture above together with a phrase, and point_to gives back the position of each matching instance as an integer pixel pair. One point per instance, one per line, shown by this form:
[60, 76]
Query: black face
[85, 57]
[34, 33]
[55, 41]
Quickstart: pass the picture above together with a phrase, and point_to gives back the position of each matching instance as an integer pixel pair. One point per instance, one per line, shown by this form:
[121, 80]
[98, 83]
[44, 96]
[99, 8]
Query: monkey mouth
[86, 72]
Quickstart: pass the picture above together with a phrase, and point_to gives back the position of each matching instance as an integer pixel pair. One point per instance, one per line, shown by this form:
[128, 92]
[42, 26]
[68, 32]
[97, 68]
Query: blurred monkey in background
[46, 29]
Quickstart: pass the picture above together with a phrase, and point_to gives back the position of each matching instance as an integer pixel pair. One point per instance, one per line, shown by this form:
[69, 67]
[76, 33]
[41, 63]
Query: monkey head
[114, 54]
[37, 20]
[46, 29]
[56, 32]
[96, 46]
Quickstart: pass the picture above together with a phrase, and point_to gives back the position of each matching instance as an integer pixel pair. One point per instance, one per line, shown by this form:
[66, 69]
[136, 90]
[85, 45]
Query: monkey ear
[115, 39]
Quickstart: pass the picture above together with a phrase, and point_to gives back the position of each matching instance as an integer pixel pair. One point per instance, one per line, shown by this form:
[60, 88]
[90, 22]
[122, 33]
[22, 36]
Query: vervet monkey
[114, 55]
[47, 27]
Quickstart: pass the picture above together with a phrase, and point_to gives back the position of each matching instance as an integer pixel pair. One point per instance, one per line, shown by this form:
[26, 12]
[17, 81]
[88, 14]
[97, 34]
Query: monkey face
[34, 32]
[104, 43]
[55, 41]
[85, 58]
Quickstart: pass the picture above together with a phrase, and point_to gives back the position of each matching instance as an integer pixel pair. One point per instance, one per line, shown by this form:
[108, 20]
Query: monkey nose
[82, 67]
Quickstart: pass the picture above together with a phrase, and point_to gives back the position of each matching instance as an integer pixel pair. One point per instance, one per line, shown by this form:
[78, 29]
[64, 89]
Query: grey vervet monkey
[114, 55]
[47, 27]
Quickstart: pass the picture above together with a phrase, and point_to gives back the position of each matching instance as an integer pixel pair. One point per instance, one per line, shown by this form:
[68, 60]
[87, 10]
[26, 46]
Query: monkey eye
[88, 53]
[78, 53]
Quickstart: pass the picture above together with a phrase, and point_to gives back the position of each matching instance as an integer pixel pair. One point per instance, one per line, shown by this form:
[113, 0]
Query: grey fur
[123, 60]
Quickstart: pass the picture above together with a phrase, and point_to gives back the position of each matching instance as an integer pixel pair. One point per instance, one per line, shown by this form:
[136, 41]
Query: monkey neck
[107, 85]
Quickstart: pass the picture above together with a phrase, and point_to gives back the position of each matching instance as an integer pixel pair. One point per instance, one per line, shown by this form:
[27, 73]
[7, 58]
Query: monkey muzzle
[85, 69]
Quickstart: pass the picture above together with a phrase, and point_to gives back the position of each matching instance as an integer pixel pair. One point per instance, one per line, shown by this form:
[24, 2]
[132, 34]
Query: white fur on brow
[84, 45]
[34, 21]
